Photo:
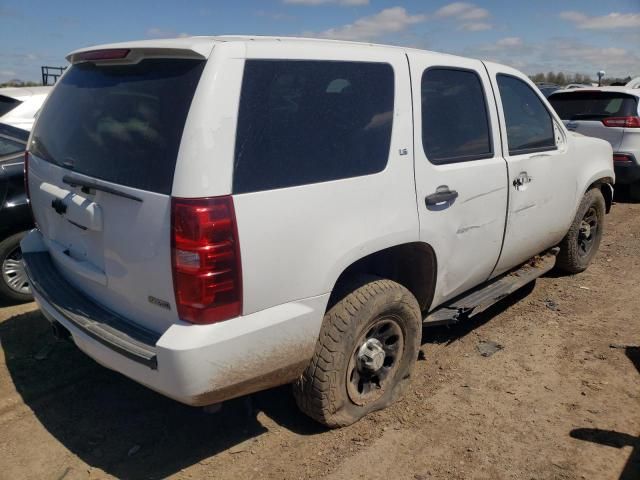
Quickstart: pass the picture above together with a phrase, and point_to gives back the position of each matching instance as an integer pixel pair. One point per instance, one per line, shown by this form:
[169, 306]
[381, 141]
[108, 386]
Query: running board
[480, 299]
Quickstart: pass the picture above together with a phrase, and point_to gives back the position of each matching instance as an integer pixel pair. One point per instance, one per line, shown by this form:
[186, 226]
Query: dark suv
[15, 216]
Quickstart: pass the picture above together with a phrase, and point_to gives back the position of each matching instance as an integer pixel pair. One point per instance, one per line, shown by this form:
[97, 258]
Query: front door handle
[442, 195]
[521, 180]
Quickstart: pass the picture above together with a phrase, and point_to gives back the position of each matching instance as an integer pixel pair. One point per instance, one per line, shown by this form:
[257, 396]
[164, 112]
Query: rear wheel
[583, 239]
[14, 284]
[368, 345]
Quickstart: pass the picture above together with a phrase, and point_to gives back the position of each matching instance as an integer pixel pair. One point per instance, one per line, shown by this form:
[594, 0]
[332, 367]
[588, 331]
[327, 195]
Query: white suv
[610, 113]
[220, 215]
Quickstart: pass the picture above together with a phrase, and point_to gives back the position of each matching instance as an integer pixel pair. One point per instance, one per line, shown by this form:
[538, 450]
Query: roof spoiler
[134, 52]
[131, 56]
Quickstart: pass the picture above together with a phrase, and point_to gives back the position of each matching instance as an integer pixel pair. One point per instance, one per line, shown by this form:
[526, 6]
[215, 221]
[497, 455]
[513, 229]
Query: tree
[537, 78]
[551, 77]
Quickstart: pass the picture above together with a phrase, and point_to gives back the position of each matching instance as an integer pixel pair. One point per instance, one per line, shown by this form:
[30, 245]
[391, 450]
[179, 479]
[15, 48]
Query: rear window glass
[303, 122]
[7, 104]
[122, 124]
[455, 124]
[593, 105]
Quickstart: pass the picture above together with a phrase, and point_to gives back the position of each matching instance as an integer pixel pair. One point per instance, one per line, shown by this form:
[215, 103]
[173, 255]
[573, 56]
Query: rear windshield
[593, 105]
[7, 104]
[122, 124]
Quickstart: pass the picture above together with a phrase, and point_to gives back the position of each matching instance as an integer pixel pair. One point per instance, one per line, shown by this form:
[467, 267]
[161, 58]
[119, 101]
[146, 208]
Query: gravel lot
[559, 400]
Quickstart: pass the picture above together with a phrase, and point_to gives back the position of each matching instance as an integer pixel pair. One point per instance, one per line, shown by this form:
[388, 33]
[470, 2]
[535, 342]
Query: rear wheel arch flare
[605, 185]
[413, 265]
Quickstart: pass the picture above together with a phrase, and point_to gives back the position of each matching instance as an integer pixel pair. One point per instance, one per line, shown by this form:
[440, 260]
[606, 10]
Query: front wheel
[583, 239]
[364, 356]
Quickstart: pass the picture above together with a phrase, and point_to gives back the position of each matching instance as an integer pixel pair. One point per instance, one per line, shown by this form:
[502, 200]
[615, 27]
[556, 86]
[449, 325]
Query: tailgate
[595, 128]
[583, 111]
[101, 166]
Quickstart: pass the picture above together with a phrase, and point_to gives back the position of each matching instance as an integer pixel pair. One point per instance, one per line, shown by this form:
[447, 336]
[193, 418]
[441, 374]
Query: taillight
[621, 158]
[108, 54]
[626, 122]
[26, 174]
[207, 276]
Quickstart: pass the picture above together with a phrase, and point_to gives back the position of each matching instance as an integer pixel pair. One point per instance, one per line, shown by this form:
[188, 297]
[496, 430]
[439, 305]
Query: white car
[633, 83]
[220, 215]
[20, 105]
[609, 113]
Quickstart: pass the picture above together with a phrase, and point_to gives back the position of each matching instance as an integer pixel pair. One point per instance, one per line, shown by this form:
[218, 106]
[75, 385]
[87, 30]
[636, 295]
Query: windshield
[7, 104]
[12, 140]
[9, 146]
[122, 124]
[593, 105]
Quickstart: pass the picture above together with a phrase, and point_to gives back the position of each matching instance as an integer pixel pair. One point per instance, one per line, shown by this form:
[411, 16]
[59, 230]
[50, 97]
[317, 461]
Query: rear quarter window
[303, 122]
[122, 124]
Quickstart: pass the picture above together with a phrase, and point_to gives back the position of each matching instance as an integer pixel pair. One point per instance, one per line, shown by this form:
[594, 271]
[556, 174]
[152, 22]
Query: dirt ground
[560, 400]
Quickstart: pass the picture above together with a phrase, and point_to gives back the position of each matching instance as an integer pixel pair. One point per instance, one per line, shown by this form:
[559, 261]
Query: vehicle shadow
[125, 429]
[8, 303]
[610, 438]
[451, 333]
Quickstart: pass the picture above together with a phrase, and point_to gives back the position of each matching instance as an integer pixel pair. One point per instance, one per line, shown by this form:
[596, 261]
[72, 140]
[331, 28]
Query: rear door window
[303, 122]
[455, 122]
[529, 123]
[122, 124]
[593, 105]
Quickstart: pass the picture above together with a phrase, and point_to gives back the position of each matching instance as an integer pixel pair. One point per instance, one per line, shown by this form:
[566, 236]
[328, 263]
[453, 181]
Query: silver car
[610, 113]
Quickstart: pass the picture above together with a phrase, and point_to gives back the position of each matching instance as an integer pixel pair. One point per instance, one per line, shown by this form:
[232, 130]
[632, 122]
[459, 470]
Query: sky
[580, 36]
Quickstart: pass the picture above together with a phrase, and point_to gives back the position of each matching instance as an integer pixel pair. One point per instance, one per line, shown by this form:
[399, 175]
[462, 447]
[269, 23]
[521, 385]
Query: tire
[581, 243]
[11, 272]
[347, 379]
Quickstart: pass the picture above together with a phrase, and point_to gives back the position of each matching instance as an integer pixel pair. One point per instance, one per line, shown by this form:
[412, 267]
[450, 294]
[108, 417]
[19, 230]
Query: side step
[479, 299]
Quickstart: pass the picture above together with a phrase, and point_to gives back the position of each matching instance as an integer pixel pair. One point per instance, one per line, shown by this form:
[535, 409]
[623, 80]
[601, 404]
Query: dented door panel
[466, 231]
[542, 187]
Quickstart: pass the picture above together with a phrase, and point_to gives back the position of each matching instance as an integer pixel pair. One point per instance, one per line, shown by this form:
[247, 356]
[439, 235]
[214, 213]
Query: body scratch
[526, 207]
[484, 194]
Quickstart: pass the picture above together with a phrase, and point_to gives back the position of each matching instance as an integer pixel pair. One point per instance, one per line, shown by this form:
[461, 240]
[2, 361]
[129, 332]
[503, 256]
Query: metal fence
[50, 75]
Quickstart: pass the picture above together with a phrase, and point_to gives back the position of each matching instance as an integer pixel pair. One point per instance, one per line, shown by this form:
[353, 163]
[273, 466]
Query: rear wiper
[87, 185]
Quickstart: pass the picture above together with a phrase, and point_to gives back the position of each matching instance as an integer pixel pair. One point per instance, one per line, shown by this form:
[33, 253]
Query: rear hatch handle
[87, 185]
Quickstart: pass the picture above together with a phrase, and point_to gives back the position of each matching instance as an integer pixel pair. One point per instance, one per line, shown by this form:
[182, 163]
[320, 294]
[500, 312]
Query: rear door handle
[442, 195]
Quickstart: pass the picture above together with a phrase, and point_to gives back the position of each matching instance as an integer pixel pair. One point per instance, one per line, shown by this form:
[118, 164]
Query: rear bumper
[193, 364]
[627, 173]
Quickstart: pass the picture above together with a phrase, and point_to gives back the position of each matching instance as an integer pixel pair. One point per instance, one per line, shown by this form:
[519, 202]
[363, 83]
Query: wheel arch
[605, 185]
[412, 265]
